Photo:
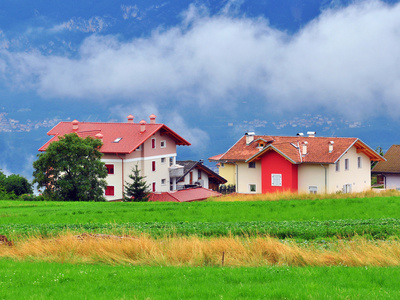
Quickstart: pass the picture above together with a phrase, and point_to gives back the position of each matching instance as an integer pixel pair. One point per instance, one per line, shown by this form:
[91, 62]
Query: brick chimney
[142, 126]
[75, 125]
[153, 119]
[130, 119]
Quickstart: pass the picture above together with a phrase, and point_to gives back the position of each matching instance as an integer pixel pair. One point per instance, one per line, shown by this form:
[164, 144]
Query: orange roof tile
[291, 148]
[130, 134]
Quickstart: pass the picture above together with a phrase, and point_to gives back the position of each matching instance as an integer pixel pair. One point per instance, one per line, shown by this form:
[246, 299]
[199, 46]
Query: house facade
[195, 173]
[388, 172]
[150, 146]
[267, 164]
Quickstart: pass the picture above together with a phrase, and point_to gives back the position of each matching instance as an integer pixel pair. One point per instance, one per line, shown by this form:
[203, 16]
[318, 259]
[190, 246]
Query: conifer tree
[138, 189]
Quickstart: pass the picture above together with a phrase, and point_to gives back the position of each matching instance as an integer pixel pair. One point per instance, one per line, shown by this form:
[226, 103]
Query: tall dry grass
[303, 196]
[194, 251]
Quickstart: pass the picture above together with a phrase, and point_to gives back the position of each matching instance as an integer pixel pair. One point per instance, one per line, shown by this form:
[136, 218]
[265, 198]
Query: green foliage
[18, 184]
[71, 170]
[138, 189]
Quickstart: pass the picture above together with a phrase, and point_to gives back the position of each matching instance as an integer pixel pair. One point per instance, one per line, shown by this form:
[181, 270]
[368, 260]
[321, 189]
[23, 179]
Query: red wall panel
[274, 163]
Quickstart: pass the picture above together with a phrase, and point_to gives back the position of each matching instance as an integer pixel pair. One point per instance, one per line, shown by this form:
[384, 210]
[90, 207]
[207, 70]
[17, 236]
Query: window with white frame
[359, 162]
[153, 165]
[139, 148]
[163, 160]
[171, 161]
[313, 189]
[276, 179]
[153, 143]
[346, 164]
[252, 188]
[163, 181]
[222, 165]
[337, 166]
[163, 144]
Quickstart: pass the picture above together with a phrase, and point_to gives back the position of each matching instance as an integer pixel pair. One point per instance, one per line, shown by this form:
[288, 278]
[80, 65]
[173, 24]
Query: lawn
[39, 280]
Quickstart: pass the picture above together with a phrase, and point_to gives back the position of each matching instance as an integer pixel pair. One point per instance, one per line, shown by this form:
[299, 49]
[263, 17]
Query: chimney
[311, 133]
[142, 126]
[99, 136]
[249, 137]
[331, 146]
[300, 134]
[130, 119]
[153, 119]
[75, 125]
[304, 150]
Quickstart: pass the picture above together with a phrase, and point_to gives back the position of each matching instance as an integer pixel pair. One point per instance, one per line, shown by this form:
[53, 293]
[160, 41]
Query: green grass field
[377, 217]
[301, 221]
[38, 280]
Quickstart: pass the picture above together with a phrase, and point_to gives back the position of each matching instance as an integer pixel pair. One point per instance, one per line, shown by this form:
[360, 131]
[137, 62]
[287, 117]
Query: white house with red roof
[265, 164]
[150, 146]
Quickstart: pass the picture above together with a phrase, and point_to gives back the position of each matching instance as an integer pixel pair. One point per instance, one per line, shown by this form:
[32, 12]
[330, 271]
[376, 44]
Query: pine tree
[138, 189]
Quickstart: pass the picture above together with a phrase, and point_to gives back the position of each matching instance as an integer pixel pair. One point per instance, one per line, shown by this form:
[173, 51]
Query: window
[154, 187]
[171, 161]
[347, 188]
[313, 189]
[163, 160]
[337, 166]
[252, 188]
[252, 164]
[153, 165]
[153, 143]
[222, 165]
[110, 169]
[359, 162]
[110, 190]
[276, 179]
[117, 140]
[198, 174]
[163, 144]
[139, 148]
[163, 181]
[346, 164]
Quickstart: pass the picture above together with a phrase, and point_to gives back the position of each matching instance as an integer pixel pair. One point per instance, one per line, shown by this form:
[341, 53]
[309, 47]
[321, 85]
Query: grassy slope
[18, 212]
[33, 280]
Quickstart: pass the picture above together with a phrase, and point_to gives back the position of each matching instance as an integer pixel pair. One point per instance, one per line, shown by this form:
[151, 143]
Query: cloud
[93, 24]
[346, 61]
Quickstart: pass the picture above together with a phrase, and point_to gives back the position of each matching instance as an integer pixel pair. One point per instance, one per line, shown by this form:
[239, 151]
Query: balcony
[175, 171]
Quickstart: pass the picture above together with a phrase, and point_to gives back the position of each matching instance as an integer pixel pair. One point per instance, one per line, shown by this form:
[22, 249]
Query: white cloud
[93, 24]
[346, 61]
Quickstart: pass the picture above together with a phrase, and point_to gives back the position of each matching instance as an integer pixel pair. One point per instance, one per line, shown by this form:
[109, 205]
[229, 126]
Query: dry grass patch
[194, 251]
[303, 196]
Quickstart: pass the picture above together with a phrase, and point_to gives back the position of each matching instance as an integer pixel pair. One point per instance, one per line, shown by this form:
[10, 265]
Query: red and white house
[267, 164]
[150, 146]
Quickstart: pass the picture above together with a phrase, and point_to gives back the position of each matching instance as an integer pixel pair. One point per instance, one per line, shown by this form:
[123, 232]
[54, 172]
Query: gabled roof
[290, 147]
[187, 195]
[189, 165]
[392, 163]
[131, 137]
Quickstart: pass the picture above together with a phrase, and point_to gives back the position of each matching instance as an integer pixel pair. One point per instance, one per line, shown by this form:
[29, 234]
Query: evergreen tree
[138, 189]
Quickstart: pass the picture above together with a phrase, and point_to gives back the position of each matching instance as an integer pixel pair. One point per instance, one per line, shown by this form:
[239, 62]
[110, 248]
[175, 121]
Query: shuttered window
[276, 179]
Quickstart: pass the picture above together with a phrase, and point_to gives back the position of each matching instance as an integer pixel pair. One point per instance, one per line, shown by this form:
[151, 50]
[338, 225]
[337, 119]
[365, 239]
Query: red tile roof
[291, 149]
[392, 163]
[187, 195]
[129, 132]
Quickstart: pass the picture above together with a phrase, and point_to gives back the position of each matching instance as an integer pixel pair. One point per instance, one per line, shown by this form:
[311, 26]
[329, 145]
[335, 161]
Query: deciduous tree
[71, 169]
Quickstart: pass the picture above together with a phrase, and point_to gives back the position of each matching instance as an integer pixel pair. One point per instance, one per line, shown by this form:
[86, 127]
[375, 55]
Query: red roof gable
[187, 195]
[291, 149]
[130, 134]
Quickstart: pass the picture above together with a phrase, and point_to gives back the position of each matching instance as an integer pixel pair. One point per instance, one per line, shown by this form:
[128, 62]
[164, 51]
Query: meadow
[333, 247]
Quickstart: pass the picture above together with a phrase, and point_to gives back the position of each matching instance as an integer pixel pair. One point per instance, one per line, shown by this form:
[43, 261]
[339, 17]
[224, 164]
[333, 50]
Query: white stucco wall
[311, 175]
[392, 181]
[247, 176]
[195, 171]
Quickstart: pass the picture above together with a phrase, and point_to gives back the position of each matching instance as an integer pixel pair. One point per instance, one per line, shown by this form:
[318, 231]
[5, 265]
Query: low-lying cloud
[346, 61]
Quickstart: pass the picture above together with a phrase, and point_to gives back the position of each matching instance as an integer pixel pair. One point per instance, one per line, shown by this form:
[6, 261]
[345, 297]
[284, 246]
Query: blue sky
[208, 69]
